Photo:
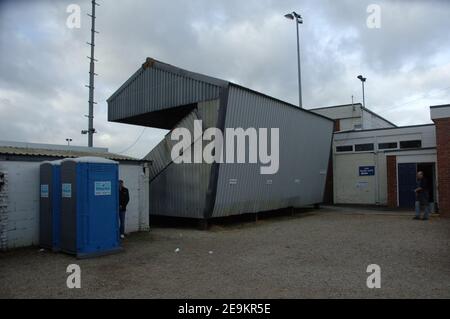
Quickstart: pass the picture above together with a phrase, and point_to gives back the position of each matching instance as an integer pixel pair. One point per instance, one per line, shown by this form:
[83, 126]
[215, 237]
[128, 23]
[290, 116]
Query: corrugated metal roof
[158, 86]
[38, 152]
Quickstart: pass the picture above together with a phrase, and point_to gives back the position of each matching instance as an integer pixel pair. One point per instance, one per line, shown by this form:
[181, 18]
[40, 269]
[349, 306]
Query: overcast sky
[43, 64]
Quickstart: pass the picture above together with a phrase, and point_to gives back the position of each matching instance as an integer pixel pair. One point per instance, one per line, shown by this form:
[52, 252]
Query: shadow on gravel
[239, 221]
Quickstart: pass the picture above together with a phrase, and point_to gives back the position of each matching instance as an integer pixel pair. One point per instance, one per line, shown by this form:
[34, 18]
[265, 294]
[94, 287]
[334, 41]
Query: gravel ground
[316, 254]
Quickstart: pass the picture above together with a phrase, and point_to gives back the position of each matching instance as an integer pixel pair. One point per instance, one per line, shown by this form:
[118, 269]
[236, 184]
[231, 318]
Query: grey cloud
[43, 66]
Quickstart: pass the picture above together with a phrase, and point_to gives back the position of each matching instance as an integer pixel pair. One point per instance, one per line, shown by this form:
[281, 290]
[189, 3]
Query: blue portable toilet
[89, 206]
[50, 204]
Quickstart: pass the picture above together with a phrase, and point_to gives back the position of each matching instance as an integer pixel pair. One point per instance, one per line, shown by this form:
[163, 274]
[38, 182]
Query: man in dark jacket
[422, 196]
[124, 198]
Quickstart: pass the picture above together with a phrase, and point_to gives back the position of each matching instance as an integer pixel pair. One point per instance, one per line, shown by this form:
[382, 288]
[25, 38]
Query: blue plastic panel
[97, 207]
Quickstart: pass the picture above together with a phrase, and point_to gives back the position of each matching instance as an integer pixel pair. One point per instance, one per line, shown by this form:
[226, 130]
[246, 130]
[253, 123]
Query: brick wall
[391, 165]
[443, 163]
[337, 125]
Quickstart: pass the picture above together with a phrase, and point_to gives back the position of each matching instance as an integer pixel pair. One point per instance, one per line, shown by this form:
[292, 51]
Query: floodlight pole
[364, 95]
[300, 104]
[363, 80]
[298, 20]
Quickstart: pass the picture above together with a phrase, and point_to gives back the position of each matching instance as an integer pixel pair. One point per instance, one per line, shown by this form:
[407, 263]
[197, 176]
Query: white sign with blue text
[44, 190]
[66, 190]
[102, 188]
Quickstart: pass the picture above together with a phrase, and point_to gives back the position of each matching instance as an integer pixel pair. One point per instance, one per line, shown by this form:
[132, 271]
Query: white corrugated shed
[19, 196]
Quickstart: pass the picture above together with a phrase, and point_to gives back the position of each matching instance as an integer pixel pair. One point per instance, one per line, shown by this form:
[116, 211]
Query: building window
[357, 126]
[344, 148]
[385, 146]
[411, 144]
[364, 147]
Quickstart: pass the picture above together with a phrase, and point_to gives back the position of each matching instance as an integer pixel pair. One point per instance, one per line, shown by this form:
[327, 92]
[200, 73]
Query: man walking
[422, 194]
[124, 198]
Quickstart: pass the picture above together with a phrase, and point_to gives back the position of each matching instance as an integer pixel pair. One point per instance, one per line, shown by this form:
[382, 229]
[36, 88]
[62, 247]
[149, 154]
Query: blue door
[406, 184]
[102, 228]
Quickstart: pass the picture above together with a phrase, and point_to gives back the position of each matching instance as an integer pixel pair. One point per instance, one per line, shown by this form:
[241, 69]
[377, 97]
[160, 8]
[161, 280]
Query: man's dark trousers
[122, 221]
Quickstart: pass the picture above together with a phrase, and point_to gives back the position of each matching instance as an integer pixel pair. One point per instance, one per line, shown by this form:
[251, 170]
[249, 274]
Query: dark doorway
[429, 174]
[407, 182]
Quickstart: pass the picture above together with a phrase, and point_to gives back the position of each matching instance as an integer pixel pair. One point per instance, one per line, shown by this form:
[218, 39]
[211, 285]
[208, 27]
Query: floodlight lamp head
[360, 77]
[289, 16]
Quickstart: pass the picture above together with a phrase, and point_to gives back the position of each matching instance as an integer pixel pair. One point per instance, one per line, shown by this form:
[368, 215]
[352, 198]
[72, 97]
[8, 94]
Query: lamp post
[363, 80]
[68, 140]
[298, 20]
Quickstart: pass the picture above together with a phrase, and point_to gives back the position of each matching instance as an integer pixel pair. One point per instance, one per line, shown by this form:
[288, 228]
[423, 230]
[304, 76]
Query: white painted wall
[351, 115]
[22, 228]
[349, 187]
[346, 165]
[440, 112]
[349, 124]
[371, 121]
[340, 112]
[23, 203]
[425, 133]
[347, 182]
[133, 178]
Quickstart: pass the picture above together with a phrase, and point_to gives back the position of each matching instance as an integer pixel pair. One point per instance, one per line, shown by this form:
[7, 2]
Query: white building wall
[23, 203]
[349, 187]
[381, 175]
[371, 121]
[425, 133]
[22, 222]
[352, 117]
[349, 124]
[133, 177]
[340, 112]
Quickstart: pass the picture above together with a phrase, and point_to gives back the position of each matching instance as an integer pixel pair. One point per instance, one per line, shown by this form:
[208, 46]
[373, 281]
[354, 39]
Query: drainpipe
[377, 173]
[144, 198]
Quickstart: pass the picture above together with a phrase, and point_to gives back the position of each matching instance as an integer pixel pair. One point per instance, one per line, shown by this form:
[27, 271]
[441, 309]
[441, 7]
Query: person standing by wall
[124, 198]
[422, 196]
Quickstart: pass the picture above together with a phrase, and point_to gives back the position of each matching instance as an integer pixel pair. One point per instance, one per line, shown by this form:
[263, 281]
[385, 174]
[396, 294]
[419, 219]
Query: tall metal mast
[91, 130]
[298, 20]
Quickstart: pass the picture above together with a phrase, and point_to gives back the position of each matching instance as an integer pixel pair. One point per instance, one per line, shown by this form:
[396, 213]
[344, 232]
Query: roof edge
[333, 106]
[153, 63]
[377, 115]
[439, 106]
[280, 101]
[384, 128]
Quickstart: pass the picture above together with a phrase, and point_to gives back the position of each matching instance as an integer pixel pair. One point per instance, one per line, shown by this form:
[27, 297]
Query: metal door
[406, 184]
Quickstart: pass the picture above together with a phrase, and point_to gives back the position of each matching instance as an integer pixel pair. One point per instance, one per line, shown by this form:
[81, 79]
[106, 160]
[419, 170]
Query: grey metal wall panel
[160, 155]
[305, 141]
[208, 112]
[157, 88]
[180, 189]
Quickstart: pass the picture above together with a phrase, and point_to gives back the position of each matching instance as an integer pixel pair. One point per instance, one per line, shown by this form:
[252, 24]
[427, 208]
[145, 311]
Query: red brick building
[375, 162]
[440, 114]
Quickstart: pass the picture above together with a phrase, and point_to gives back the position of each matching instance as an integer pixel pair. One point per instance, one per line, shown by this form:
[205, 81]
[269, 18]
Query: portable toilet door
[50, 205]
[90, 205]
